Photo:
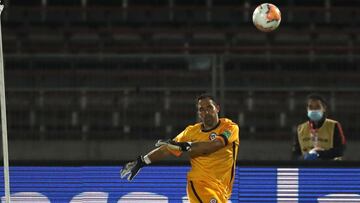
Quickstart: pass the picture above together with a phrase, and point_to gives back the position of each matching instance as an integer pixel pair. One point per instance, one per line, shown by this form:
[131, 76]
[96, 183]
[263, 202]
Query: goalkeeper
[212, 145]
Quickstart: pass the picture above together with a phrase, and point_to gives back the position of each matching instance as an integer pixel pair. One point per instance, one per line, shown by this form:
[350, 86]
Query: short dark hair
[316, 96]
[206, 96]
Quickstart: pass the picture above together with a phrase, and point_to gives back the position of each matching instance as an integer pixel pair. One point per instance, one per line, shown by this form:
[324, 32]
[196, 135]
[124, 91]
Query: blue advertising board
[164, 184]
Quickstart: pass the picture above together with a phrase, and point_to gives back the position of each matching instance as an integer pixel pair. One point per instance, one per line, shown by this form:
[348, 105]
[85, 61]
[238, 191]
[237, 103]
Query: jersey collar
[211, 129]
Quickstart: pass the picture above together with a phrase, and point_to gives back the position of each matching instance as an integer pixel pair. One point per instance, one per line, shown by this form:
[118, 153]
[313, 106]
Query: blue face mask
[315, 115]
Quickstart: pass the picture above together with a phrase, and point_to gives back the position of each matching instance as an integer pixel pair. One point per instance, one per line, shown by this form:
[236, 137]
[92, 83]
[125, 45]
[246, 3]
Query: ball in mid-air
[266, 17]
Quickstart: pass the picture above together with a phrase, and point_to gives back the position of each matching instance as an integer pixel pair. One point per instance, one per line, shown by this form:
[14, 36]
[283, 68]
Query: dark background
[96, 80]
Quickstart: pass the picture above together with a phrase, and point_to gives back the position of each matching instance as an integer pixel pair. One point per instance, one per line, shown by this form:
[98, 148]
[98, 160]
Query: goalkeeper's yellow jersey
[218, 168]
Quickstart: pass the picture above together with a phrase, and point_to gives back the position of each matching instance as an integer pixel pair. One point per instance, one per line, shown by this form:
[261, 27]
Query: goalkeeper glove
[132, 168]
[180, 146]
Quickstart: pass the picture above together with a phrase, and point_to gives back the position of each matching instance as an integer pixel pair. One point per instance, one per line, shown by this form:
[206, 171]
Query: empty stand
[93, 70]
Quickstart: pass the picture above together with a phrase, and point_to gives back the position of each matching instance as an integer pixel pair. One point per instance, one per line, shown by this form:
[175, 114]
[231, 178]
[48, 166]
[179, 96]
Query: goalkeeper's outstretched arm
[158, 154]
[131, 169]
[194, 148]
[205, 148]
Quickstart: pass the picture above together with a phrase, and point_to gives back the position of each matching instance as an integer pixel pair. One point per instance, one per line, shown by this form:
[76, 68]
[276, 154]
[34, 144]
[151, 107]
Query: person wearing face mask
[212, 145]
[319, 138]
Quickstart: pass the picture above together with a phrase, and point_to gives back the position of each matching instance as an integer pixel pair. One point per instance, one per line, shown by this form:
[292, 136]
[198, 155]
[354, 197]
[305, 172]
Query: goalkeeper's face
[208, 112]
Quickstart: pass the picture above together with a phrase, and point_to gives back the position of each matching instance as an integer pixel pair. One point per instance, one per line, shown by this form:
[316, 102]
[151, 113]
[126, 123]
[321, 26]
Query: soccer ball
[266, 17]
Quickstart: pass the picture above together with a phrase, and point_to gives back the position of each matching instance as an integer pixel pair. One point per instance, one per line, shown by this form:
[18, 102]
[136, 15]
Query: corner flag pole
[3, 119]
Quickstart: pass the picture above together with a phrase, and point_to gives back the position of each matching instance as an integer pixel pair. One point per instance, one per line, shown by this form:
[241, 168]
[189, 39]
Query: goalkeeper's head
[208, 110]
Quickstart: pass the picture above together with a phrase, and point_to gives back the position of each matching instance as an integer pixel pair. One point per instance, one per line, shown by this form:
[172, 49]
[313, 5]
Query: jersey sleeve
[229, 134]
[181, 137]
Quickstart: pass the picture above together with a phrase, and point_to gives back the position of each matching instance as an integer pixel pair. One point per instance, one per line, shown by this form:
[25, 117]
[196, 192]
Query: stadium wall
[167, 184]
[102, 150]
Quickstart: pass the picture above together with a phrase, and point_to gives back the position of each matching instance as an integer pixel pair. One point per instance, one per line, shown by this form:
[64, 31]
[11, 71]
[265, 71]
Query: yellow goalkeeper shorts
[202, 192]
